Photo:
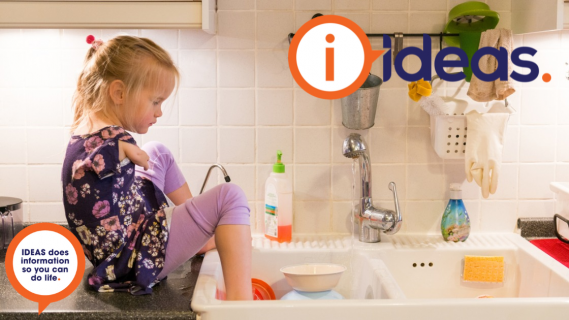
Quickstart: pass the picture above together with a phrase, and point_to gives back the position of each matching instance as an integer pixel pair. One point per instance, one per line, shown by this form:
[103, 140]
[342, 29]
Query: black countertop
[170, 299]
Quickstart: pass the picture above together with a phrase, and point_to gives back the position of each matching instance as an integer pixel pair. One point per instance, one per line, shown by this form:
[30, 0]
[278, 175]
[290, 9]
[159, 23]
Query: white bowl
[313, 277]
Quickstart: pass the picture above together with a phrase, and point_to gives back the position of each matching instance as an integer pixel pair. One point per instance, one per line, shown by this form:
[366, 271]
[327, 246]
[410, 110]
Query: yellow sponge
[483, 269]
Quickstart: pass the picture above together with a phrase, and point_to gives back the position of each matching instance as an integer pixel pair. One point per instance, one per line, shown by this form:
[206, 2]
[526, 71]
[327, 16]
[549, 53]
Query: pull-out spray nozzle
[354, 146]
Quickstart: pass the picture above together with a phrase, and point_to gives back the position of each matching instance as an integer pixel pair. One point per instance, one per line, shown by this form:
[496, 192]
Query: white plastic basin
[380, 281]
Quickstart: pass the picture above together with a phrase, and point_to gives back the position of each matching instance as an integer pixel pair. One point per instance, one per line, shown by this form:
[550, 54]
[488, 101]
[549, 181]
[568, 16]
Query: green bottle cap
[279, 167]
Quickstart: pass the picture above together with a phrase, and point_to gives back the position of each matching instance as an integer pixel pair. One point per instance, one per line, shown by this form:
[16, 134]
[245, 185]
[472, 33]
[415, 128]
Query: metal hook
[398, 45]
[506, 104]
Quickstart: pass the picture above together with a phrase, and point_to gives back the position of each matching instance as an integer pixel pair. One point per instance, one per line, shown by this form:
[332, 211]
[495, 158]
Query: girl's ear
[117, 92]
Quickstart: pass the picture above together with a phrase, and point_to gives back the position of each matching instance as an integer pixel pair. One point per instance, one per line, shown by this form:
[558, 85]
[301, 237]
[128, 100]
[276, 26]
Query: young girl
[118, 210]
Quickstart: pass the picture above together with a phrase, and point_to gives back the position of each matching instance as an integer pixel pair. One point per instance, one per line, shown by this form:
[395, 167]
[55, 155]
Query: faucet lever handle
[398, 219]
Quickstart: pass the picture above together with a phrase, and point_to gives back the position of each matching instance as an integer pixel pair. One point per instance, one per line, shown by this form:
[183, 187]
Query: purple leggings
[194, 221]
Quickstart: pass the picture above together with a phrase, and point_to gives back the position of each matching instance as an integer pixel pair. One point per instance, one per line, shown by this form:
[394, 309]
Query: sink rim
[402, 242]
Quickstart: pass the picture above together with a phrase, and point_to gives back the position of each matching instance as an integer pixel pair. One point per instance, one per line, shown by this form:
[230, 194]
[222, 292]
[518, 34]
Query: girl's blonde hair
[138, 62]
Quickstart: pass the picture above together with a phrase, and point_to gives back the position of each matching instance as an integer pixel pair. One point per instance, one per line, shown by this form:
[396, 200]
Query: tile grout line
[293, 156]
[330, 153]
[217, 87]
[256, 132]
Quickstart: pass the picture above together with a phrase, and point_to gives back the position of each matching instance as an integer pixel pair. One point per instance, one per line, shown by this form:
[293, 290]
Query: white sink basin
[432, 269]
[381, 281]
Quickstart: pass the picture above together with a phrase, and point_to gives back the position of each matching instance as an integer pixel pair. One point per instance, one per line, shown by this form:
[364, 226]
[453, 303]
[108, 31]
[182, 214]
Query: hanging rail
[440, 35]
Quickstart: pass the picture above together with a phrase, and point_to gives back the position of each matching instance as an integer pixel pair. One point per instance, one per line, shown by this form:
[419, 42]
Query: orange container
[261, 291]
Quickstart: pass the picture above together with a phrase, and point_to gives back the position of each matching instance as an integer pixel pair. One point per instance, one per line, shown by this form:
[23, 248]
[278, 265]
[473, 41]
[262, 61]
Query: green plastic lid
[279, 167]
[471, 16]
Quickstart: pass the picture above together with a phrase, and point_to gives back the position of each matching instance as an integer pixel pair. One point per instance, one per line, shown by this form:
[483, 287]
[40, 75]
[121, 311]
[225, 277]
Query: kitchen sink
[404, 276]
[431, 269]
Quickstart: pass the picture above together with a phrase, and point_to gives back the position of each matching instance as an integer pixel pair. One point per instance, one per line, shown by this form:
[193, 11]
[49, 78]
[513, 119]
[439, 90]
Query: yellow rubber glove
[419, 89]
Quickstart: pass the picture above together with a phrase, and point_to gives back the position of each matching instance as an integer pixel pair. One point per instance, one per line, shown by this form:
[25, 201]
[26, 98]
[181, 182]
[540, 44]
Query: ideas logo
[330, 57]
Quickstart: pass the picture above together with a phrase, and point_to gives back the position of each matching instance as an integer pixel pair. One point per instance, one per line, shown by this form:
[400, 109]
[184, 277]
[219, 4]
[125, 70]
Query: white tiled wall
[238, 104]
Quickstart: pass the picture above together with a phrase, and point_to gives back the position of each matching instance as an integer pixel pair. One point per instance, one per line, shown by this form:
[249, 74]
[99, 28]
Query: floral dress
[117, 216]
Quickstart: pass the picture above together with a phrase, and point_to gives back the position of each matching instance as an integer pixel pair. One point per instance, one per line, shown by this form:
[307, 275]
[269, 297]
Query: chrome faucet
[371, 219]
[225, 176]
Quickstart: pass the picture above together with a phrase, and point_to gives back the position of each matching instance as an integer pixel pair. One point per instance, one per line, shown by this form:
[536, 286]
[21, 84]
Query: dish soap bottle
[455, 224]
[278, 204]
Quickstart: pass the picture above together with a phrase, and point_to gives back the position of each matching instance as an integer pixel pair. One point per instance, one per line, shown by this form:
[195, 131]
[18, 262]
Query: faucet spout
[372, 219]
[217, 165]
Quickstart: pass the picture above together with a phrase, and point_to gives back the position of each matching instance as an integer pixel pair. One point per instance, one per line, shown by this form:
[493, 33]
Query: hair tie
[94, 43]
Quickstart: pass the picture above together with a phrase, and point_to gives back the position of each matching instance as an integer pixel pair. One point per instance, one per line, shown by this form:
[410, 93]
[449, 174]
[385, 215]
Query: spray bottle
[455, 224]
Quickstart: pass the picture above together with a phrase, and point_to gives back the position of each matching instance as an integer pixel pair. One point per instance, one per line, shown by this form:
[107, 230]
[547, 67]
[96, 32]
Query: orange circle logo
[46, 258]
[330, 57]
[546, 77]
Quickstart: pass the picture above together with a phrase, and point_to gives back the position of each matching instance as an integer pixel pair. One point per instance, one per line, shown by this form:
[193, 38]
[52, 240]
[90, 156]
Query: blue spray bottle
[455, 225]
